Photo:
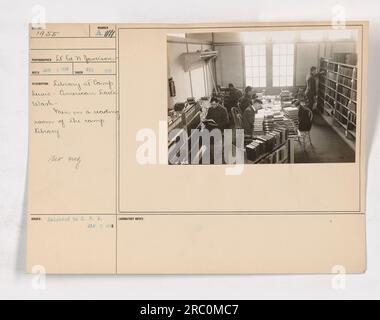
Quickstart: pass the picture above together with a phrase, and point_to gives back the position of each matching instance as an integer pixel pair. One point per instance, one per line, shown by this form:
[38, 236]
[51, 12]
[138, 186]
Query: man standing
[233, 98]
[311, 86]
[246, 100]
[249, 116]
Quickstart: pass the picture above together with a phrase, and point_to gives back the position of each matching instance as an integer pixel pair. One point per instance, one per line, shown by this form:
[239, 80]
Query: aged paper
[96, 92]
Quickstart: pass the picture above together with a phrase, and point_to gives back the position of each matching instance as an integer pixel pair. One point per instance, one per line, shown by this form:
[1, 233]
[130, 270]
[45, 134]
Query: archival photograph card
[232, 148]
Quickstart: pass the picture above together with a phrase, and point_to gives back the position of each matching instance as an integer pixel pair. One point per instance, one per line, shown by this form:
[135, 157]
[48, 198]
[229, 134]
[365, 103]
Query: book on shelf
[330, 92]
[337, 93]
[343, 100]
[332, 76]
[345, 81]
[352, 106]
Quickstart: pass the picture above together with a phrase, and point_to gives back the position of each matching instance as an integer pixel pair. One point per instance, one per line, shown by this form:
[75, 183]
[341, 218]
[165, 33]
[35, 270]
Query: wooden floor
[327, 145]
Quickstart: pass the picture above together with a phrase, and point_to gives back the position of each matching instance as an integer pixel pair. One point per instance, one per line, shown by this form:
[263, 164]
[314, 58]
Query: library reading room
[275, 97]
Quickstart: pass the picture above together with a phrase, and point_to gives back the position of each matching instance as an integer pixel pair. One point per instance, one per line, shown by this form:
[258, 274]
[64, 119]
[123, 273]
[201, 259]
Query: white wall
[199, 36]
[175, 70]
[306, 55]
[197, 77]
[227, 37]
[195, 83]
[229, 65]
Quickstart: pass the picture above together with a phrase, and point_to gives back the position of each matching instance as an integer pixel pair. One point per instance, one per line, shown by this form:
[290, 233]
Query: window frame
[251, 67]
[286, 65]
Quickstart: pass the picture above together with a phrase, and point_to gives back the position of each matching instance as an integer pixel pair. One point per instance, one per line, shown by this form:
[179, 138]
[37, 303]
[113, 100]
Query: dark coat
[245, 102]
[219, 115]
[233, 99]
[248, 120]
[304, 119]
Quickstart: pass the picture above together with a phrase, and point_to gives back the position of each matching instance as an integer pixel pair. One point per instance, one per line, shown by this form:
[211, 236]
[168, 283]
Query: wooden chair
[237, 118]
[228, 116]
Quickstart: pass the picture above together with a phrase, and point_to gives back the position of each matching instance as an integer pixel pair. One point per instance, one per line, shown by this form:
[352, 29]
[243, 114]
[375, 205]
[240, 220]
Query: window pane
[276, 71]
[263, 60]
[256, 71]
[276, 60]
[255, 65]
[276, 50]
[283, 49]
[262, 50]
[290, 60]
[283, 60]
[283, 64]
[256, 82]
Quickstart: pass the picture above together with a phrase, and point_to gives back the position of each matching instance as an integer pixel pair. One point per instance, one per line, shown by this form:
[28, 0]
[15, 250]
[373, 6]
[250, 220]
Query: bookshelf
[184, 121]
[337, 95]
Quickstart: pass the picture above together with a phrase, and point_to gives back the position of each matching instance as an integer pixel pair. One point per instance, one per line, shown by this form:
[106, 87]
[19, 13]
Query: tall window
[255, 65]
[283, 65]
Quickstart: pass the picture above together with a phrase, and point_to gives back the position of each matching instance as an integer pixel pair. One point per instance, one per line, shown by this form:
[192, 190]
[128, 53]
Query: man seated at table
[249, 117]
[216, 117]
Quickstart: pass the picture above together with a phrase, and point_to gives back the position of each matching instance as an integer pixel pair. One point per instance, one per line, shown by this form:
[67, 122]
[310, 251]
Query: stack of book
[277, 115]
[291, 113]
[258, 124]
[283, 132]
[268, 123]
[285, 94]
[290, 126]
[255, 150]
[270, 141]
[262, 146]
[291, 121]
[286, 98]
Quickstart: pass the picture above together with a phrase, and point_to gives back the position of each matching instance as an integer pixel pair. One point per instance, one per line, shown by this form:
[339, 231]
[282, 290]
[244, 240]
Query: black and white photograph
[274, 97]
[192, 157]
